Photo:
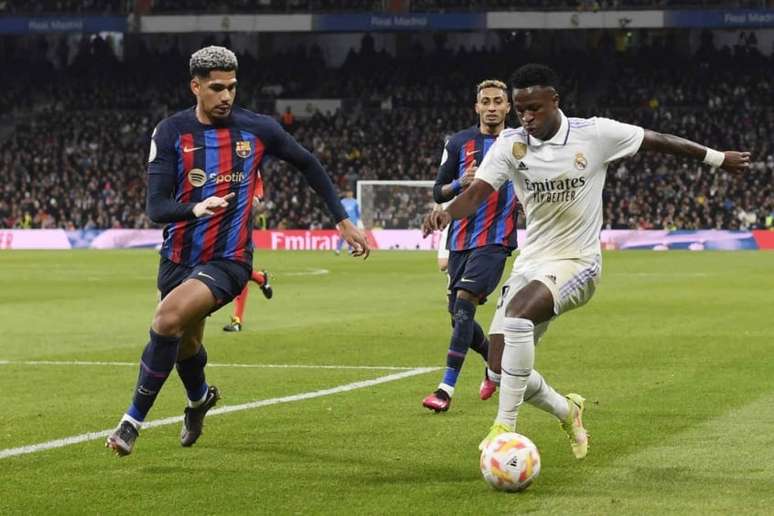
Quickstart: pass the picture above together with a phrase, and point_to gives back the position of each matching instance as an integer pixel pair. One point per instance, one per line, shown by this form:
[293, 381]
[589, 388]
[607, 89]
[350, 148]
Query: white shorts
[443, 252]
[572, 284]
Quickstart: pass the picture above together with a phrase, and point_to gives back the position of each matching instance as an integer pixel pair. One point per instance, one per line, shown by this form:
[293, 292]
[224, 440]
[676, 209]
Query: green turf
[674, 355]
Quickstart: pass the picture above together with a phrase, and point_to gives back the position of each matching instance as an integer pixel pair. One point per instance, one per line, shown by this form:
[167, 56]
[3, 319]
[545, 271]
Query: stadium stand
[60, 168]
[41, 7]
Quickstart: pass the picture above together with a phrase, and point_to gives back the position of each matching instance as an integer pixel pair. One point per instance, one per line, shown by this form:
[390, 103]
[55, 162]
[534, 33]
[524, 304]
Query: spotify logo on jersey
[197, 177]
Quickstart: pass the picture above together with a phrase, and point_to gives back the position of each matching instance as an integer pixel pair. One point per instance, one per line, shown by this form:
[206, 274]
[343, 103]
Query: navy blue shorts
[476, 270]
[224, 278]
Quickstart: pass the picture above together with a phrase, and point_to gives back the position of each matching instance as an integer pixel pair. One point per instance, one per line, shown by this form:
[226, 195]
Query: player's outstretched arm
[732, 161]
[463, 206]
[354, 237]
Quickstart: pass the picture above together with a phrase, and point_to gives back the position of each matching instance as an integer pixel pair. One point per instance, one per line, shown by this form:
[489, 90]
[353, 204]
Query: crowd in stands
[77, 155]
[117, 7]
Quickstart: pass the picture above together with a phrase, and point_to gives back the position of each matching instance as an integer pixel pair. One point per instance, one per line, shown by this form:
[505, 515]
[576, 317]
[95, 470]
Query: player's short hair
[491, 83]
[207, 59]
[534, 75]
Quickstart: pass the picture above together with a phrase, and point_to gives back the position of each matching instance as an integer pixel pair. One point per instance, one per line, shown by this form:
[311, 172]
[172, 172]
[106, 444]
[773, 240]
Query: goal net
[394, 204]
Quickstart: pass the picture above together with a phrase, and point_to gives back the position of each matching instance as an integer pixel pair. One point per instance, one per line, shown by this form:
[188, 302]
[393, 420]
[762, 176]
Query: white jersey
[559, 181]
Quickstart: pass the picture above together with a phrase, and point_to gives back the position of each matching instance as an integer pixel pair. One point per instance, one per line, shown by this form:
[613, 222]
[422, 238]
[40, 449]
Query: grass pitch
[673, 354]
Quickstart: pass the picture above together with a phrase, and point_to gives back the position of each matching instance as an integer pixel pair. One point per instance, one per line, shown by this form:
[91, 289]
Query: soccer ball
[510, 462]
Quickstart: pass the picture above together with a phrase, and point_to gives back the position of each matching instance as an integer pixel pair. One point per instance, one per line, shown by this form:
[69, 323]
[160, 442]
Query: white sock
[194, 404]
[518, 360]
[136, 424]
[544, 397]
[495, 377]
[448, 389]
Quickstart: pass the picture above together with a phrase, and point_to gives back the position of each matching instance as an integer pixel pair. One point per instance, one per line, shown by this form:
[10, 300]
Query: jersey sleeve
[495, 169]
[286, 148]
[447, 172]
[618, 140]
[160, 204]
[162, 157]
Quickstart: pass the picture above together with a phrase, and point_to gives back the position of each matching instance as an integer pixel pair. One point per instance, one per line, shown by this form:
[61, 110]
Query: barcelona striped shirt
[190, 161]
[494, 222]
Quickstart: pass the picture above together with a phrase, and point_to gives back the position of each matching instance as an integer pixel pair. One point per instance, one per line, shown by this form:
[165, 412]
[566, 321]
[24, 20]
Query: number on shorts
[503, 294]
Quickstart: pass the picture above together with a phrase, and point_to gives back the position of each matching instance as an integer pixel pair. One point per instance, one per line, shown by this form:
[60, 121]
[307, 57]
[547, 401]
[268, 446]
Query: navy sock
[462, 334]
[191, 371]
[480, 344]
[156, 363]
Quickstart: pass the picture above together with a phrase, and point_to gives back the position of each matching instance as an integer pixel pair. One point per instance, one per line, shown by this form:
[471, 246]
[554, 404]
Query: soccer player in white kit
[557, 165]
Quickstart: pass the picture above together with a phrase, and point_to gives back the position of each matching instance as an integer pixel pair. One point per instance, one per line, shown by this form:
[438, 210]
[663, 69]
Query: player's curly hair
[534, 75]
[207, 59]
[491, 83]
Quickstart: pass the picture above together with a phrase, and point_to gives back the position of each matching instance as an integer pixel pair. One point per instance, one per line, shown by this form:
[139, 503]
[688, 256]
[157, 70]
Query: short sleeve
[495, 169]
[618, 140]
[162, 157]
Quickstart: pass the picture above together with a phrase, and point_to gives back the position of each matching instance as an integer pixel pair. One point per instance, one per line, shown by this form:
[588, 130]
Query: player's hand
[469, 175]
[736, 161]
[354, 237]
[210, 205]
[435, 221]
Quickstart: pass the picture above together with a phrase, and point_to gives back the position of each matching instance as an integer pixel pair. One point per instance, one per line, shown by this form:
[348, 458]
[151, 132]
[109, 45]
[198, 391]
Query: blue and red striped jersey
[208, 160]
[495, 220]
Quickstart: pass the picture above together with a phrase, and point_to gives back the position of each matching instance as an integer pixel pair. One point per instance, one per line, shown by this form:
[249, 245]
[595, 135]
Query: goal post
[394, 204]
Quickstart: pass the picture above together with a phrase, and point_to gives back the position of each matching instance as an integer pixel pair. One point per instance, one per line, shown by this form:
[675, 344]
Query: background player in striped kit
[260, 278]
[480, 244]
[202, 177]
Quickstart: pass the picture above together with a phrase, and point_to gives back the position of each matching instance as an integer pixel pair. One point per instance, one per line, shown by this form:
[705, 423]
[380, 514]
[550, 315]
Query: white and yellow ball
[510, 462]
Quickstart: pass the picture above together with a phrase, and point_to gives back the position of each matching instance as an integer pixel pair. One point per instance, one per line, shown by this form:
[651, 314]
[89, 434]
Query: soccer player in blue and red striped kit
[202, 175]
[479, 245]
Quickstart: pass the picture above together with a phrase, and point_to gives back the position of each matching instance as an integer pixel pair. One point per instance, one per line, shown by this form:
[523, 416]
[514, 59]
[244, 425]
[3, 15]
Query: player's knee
[168, 322]
[468, 296]
[518, 325]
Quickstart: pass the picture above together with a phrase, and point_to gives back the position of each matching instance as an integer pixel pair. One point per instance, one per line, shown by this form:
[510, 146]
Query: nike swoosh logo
[206, 276]
[466, 280]
[470, 153]
[190, 149]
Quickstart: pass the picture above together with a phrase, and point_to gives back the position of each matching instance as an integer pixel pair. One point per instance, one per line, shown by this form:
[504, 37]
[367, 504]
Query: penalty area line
[93, 436]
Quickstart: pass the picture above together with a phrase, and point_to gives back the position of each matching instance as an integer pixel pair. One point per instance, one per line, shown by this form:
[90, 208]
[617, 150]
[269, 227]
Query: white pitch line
[308, 272]
[241, 366]
[93, 436]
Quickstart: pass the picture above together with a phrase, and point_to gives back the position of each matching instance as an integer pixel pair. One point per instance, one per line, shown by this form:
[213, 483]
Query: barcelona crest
[243, 148]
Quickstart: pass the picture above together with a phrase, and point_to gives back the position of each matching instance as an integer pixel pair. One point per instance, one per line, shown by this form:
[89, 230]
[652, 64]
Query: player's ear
[195, 85]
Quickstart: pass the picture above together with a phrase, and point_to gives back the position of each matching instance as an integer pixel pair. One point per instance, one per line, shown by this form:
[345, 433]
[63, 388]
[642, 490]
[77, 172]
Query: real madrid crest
[580, 161]
[519, 150]
[243, 148]
[197, 177]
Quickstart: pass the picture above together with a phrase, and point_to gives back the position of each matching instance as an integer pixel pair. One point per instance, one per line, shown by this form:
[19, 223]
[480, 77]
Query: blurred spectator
[77, 160]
